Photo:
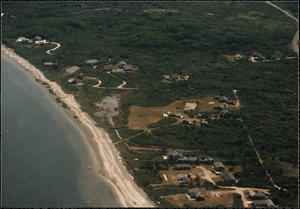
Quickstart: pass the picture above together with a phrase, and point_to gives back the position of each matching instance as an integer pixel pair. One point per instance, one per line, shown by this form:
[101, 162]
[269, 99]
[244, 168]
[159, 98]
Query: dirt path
[121, 86]
[207, 175]
[261, 162]
[237, 99]
[49, 51]
[296, 37]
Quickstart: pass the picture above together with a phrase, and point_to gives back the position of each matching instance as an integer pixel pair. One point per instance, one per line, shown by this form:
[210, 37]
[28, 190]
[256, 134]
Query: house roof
[175, 153]
[251, 193]
[218, 164]
[127, 67]
[228, 177]
[263, 203]
[194, 193]
[182, 176]
[173, 76]
[182, 166]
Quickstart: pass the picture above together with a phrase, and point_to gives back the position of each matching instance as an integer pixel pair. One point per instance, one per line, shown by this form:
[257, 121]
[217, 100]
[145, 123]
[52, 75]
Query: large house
[263, 203]
[181, 167]
[195, 194]
[218, 166]
[23, 40]
[174, 155]
[228, 178]
[253, 195]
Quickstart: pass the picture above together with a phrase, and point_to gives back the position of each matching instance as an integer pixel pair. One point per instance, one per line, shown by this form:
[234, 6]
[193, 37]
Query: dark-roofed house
[231, 102]
[174, 155]
[127, 67]
[223, 99]
[81, 75]
[186, 121]
[218, 166]
[238, 57]
[225, 114]
[195, 194]
[72, 81]
[255, 196]
[183, 179]
[220, 107]
[263, 203]
[228, 178]
[181, 167]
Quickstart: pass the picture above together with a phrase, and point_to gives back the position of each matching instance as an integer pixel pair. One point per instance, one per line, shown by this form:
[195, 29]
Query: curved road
[296, 37]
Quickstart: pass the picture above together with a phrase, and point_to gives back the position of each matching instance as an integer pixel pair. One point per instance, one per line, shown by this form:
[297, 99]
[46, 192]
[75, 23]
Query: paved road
[296, 37]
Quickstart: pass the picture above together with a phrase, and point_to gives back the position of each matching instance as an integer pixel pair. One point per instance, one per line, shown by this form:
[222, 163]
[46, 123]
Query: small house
[263, 203]
[38, 38]
[223, 99]
[173, 77]
[181, 167]
[121, 64]
[72, 81]
[172, 114]
[219, 107]
[228, 178]
[186, 121]
[218, 166]
[238, 57]
[22, 40]
[81, 75]
[225, 114]
[183, 179]
[174, 155]
[195, 194]
[127, 67]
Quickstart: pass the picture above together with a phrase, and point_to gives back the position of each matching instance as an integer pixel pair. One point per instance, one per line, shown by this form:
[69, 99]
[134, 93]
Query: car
[217, 195]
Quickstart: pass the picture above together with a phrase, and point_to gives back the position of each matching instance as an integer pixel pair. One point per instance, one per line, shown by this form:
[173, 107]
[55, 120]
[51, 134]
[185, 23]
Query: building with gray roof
[218, 166]
[263, 203]
[195, 194]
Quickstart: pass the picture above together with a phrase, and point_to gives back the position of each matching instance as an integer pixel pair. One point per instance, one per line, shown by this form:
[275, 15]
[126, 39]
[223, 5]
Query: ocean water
[47, 160]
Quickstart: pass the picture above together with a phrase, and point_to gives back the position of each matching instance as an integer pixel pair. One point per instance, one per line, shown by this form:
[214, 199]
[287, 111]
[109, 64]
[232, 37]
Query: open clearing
[141, 117]
[230, 58]
[180, 200]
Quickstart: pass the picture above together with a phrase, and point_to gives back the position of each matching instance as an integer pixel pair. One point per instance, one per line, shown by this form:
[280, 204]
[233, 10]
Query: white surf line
[130, 195]
[49, 51]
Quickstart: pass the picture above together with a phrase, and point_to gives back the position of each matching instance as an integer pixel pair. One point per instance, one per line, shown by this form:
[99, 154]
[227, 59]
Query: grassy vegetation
[189, 42]
[163, 122]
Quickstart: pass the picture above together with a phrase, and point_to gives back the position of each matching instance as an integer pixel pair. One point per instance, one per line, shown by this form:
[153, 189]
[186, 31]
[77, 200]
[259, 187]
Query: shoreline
[129, 194]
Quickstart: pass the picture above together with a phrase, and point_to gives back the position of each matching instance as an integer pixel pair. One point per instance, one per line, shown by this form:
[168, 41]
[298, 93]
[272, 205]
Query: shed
[218, 166]
[228, 178]
[195, 194]
[181, 167]
[263, 203]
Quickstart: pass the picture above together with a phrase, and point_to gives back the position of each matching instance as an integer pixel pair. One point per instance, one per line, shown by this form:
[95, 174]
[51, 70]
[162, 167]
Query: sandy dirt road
[57, 46]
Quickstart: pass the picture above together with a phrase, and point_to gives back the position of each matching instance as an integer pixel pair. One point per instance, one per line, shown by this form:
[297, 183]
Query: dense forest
[188, 38]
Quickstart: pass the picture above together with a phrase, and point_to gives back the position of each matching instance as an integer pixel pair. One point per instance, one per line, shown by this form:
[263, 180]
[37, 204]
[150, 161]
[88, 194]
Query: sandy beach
[130, 195]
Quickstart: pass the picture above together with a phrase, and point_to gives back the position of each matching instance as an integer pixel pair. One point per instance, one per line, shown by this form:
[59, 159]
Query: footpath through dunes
[57, 46]
[130, 195]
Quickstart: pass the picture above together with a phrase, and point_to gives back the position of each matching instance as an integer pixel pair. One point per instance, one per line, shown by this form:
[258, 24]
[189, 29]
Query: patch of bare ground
[230, 58]
[211, 200]
[141, 117]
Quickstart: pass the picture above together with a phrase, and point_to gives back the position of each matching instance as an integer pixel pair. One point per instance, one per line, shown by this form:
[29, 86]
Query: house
[38, 38]
[127, 67]
[181, 167]
[225, 114]
[172, 77]
[183, 179]
[81, 75]
[190, 160]
[22, 40]
[223, 99]
[194, 194]
[263, 203]
[121, 64]
[220, 107]
[174, 155]
[253, 195]
[230, 102]
[228, 178]
[255, 54]
[71, 81]
[218, 166]
[172, 114]
[238, 57]
[186, 121]
[217, 97]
